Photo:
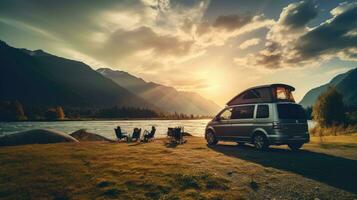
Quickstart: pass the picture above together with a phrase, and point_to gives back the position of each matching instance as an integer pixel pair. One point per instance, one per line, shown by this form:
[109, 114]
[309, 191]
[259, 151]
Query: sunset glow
[215, 48]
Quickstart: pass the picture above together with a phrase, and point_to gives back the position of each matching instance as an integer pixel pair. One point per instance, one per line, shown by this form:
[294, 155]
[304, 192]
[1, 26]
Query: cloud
[144, 38]
[223, 28]
[332, 37]
[291, 43]
[232, 22]
[297, 15]
[249, 43]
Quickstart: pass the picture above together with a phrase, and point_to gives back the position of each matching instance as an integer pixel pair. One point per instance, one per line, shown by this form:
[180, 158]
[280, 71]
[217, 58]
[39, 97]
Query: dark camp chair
[136, 134]
[149, 135]
[120, 134]
[175, 135]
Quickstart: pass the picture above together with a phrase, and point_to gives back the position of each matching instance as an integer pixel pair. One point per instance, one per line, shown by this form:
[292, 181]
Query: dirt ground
[157, 170]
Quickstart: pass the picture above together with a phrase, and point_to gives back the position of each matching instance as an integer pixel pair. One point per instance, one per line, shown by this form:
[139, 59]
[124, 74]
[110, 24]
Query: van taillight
[277, 125]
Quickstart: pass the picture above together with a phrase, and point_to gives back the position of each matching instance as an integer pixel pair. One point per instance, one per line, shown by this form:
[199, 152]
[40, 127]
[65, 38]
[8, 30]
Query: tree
[19, 110]
[328, 110]
[54, 113]
[60, 112]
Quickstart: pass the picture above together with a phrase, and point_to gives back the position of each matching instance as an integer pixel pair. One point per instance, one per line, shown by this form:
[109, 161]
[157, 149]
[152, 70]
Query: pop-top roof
[263, 93]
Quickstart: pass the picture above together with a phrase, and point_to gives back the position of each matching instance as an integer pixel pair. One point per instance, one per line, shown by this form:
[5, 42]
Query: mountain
[345, 83]
[37, 78]
[166, 98]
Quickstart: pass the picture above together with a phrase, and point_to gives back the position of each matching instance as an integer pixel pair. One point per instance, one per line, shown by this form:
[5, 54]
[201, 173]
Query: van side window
[263, 111]
[251, 94]
[243, 112]
[226, 115]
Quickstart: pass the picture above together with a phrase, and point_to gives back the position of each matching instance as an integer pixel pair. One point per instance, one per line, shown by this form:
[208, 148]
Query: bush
[328, 110]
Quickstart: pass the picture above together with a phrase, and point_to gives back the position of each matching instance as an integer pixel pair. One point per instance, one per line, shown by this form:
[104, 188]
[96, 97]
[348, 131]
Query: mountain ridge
[37, 78]
[167, 98]
[344, 83]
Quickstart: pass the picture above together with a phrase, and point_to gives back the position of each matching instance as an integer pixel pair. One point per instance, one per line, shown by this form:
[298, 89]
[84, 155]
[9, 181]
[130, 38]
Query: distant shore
[104, 119]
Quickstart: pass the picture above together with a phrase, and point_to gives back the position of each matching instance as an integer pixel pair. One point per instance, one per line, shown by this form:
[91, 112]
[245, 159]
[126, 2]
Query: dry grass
[97, 170]
[333, 131]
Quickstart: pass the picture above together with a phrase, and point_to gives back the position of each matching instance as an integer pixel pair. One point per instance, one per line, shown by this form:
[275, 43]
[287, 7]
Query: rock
[36, 136]
[83, 135]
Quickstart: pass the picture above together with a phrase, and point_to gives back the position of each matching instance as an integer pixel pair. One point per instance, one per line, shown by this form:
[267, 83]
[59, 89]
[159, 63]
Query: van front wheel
[260, 142]
[295, 146]
[211, 138]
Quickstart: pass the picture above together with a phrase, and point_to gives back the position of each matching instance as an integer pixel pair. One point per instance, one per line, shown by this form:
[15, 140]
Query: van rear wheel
[260, 142]
[295, 146]
[211, 138]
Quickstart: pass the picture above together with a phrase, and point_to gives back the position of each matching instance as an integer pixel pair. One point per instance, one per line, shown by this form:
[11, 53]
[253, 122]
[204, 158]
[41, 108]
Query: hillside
[167, 98]
[36, 78]
[344, 83]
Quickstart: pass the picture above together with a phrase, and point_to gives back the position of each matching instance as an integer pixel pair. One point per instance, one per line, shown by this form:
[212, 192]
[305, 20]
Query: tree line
[15, 111]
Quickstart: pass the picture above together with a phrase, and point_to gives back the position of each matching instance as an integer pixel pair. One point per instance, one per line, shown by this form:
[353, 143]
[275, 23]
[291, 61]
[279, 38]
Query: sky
[214, 47]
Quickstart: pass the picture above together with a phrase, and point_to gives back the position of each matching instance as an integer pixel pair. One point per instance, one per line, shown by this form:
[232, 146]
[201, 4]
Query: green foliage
[328, 110]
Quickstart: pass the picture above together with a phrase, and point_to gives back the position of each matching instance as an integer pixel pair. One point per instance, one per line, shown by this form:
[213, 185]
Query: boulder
[83, 135]
[36, 136]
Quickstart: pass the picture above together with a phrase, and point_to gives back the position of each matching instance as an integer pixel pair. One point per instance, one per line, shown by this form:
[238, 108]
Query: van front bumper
[286, 139]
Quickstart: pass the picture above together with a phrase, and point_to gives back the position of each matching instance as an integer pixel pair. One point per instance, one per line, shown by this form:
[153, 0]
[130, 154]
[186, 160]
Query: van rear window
[291, 111]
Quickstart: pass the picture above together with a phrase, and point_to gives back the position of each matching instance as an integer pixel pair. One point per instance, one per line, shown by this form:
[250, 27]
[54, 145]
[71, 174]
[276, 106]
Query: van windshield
[291, 111]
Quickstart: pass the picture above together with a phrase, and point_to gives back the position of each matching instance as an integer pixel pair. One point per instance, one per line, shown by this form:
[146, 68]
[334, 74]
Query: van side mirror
[218, 118]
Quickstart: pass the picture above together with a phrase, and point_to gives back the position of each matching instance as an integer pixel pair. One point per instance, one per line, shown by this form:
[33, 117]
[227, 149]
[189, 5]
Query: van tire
[260, 142]
[295, 146]
[211, 138]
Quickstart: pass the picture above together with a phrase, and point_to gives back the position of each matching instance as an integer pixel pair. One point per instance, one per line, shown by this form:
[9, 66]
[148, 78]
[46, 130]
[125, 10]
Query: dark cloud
[331, 37]
[336, 37]
[299, 14]
[232, 22]
[271, 57]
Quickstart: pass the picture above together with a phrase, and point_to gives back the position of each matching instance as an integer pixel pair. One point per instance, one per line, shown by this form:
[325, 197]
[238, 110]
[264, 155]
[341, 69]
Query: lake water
[106, 128]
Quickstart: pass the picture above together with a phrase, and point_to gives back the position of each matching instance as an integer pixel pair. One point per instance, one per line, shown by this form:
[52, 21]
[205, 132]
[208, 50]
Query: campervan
[264, 115]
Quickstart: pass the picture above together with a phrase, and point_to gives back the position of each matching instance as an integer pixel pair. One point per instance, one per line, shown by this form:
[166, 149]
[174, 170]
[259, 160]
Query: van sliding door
[242, 122]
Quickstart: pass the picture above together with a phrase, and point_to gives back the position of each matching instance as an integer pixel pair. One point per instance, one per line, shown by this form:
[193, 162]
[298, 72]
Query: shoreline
[104, 119]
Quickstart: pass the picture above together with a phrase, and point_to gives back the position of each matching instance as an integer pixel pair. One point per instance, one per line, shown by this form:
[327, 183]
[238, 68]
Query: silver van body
[263, 124]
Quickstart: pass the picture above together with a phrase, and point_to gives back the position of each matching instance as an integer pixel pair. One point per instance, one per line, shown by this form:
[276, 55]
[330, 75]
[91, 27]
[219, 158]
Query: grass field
[96, 170]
